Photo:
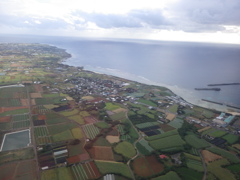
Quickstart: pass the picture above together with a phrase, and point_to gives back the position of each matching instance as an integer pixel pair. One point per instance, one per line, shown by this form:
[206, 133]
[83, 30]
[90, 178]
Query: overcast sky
[179, 20]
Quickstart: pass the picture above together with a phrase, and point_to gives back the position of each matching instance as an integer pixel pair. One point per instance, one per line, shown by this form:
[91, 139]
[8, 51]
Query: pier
[224, 84]
[211, 89]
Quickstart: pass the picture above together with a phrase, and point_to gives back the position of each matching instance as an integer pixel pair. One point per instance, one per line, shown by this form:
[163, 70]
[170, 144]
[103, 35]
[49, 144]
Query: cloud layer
[195, 16]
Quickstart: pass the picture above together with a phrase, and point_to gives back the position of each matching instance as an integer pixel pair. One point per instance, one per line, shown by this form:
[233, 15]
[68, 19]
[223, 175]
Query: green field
[196, 142]
[77, 133]
[126, 149]
[77, 118]
[167, 143]
[40, 131]
[62, 173]
[69, 112]
[14, 112]
[231, 157]
[217, 133]
[173, 108]
[111, 106]
[189, 174]
[53, 118]
[91, 131]
[231, 138]
[159, 136]
[147, 124]
[176, 123]
[221, 173]
[102, 125]
[148, 102]
[169, 176]
[20, 117]
[21, 124]
[118, 116]
[113, 167]
[55, 129]
[62, 136]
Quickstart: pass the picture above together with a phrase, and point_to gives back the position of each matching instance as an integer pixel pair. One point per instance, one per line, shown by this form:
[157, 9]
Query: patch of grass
[126, 149]
[84, 113]
[113, 167]
[217, 133]
[118, 116]
[14, 112]
[55, 129]
[53, 118]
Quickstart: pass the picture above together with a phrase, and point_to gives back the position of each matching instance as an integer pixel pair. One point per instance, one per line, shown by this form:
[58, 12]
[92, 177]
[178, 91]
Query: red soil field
[5, 109]
[102, 153]
[42, 117]
[95, 170]
[6, 171]
[84, 157]
[5, 119]
[154, 164]
[26, 167]
[90, 119]
[73, 159]
[141, 168]
[38, 87]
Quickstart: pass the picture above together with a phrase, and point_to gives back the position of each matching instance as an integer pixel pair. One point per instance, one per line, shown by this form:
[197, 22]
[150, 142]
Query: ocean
[179, 66]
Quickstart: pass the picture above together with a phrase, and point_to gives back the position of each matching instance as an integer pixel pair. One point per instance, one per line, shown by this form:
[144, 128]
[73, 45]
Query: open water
[180, 66]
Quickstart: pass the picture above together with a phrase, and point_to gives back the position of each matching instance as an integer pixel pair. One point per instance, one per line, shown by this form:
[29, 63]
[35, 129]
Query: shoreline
[181, 92]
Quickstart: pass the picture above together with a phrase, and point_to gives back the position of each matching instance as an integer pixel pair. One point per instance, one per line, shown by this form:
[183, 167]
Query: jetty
[224, 84]
[211, 89]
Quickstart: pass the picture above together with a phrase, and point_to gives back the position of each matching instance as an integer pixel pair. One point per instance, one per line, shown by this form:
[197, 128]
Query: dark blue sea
[180, 66]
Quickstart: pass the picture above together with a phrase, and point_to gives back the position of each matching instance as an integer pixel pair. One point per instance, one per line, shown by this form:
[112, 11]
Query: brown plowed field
[42, 117]
[141, 168]
[38, 87]
[90, 119]
[5, 119]
[154, 164]
[147, 166]
[5, 109]
[24, 102]
[209, 156]
[36, 95]
[102, 153]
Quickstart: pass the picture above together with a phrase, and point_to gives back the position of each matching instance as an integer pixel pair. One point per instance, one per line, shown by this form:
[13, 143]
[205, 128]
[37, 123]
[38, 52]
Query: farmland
[170, 175]
[91, 131]
[196, 142]
[113, 167]
[218, 171]
[170, 142]
[126, 149]
[231, 157]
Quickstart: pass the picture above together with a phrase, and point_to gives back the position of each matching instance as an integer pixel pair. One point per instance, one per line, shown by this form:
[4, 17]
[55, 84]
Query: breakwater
[209, 89]
[224, 84]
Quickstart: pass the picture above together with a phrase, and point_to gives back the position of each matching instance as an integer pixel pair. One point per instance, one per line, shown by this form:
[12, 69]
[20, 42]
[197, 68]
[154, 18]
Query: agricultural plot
[40, 110]
[144, 147]
[85, 171]
[126, 149]
[190, 174]
[113, 167]
[111, 106]
[168, 143]
[58, 128]
[230, 138]
[102, 125]
[176, 123]
[231, 157]
[62, 136]
[209, 156]
[148, 102]
[40, 131]
[62, 173]
[217, 133]
[102, 153]
[221, 173]
[77, 118]
[196, 142]
[69, 112]
[120, 129]
[21, 124]
[77, 133]
[20, 117]
[147, 166]
[169, 176]
[118, 116]
[53, 118]
[164, 135]
[91, 131]
[194, 162]
[10, 102]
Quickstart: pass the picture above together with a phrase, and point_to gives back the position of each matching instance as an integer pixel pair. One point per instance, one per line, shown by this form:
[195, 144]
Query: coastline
[181, 92]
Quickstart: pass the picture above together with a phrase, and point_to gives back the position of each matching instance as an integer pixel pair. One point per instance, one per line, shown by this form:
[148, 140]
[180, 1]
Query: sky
[216, 21]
